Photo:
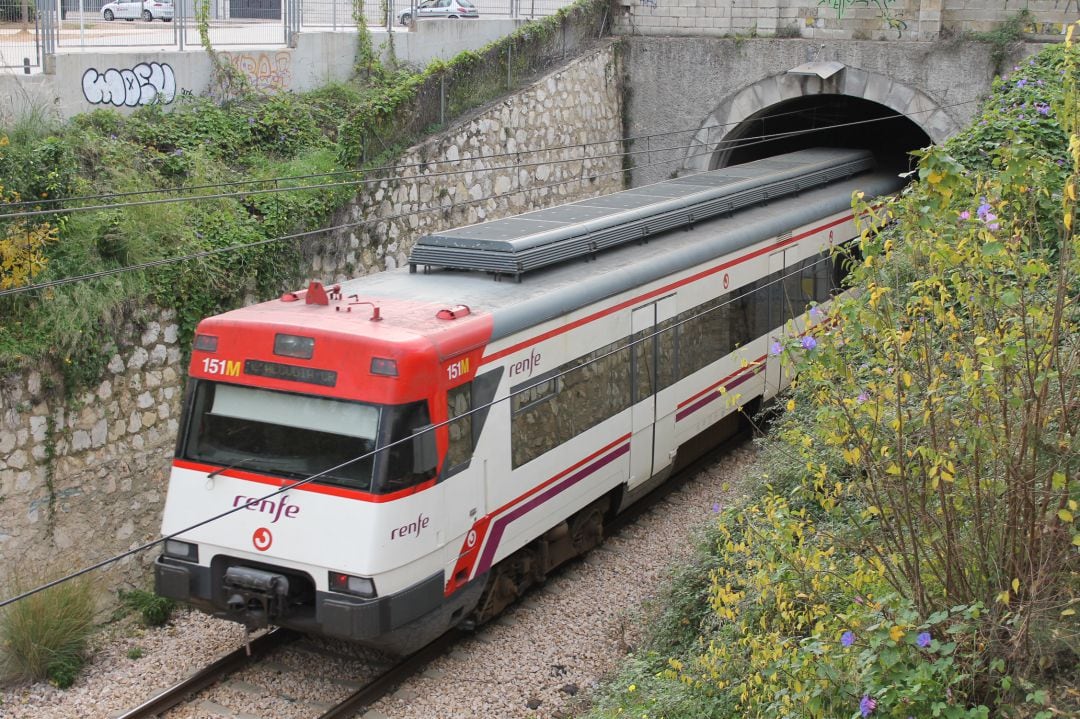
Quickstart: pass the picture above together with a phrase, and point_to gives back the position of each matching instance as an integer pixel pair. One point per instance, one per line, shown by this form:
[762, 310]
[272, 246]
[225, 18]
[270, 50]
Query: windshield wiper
[216, 472]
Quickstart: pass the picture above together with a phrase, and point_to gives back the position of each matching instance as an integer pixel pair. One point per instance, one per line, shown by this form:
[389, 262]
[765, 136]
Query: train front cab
[361, 552]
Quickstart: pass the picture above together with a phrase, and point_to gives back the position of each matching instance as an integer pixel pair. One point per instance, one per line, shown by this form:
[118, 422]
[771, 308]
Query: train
[408, 451]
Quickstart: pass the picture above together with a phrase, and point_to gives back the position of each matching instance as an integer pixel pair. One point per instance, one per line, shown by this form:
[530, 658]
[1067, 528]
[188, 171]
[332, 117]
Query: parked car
[130, 10]
[439, 8]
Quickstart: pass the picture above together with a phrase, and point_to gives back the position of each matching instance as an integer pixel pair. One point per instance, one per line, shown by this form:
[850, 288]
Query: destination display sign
[291, 373]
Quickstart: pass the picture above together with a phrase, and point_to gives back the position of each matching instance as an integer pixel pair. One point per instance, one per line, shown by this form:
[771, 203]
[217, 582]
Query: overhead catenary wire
[722, 144]
[707, 150]
[307, 480]
[383, 168]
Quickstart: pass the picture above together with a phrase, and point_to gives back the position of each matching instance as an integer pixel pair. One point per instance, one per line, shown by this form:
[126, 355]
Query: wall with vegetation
[87, 429]
[83, 81]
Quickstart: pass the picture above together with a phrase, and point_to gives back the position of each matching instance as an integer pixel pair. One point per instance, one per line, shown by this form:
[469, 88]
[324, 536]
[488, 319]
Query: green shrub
[154, 610]
[44, 636]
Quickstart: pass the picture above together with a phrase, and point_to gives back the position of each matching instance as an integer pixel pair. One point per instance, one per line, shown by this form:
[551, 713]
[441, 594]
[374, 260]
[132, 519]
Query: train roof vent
[452, 313]
[516, 245]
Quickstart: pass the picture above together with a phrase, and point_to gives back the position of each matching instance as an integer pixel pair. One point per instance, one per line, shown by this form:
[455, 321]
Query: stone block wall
[84, 478]
[907, 19]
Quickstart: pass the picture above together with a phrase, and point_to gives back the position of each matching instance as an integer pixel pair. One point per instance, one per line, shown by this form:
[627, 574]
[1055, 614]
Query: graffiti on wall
[141, 85]
[264, 70]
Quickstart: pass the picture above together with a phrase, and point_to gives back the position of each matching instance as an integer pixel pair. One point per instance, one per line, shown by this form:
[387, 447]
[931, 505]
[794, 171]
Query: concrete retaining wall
[907, 19]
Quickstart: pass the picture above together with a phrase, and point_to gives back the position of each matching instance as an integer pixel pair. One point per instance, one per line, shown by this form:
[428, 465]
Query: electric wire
[389, 168]
[721, 144]
[307, 480]
[708, 150]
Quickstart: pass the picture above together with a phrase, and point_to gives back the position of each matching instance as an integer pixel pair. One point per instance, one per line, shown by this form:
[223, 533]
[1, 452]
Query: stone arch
[705, 152]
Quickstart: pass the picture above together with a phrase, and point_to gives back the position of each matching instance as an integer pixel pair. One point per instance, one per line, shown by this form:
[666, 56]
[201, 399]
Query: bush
[44, 636]
[154, 610]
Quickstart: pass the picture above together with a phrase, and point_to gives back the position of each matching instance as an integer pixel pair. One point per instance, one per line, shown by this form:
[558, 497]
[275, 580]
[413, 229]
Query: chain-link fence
[32, 29]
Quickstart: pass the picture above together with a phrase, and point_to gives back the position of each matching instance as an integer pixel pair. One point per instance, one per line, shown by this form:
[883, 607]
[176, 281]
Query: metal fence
[32, 29]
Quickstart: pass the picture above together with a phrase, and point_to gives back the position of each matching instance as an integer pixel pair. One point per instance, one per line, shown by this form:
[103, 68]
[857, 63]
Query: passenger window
[458, 410]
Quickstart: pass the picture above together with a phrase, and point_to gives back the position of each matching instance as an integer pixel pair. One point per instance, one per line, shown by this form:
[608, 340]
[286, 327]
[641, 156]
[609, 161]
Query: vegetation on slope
[914, 550]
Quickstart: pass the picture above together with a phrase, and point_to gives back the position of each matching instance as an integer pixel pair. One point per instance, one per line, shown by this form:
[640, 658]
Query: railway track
[238, 674]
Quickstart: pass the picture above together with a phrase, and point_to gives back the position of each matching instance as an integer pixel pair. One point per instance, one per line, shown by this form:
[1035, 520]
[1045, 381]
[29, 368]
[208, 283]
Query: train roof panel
[558, 234]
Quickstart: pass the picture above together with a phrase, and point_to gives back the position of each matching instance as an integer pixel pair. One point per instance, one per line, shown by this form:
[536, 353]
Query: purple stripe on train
[715, 394]
[502, 522]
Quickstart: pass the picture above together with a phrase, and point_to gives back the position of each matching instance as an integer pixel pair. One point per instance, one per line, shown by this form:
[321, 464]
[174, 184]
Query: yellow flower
[896, 633]
[4, 142]
[632, 688]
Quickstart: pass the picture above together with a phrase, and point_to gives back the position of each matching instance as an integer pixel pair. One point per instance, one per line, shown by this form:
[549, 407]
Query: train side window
[596, 386]
[398, 468]
[667, 369]
[459, 406]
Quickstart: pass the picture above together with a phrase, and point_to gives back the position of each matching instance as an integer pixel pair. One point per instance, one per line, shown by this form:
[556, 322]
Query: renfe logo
[268, 506]
[413, 527]
[527, 365]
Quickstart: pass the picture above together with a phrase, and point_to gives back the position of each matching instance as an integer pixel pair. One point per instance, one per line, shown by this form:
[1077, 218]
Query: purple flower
[776, 348]
[965, 215]
[847, 638]
[1021, 82]
[867, 705]
[984, 210]
[808, 343]
[863, 396]
[251, 120]
[178, 152]
[993, 226]
[815, 313]
[923, 640]
[716, 508]
[1043, 108]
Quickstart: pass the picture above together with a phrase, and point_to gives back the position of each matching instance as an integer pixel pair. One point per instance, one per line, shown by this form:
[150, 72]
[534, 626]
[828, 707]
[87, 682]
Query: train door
[774, 297]
[652, 442]
[464, 474]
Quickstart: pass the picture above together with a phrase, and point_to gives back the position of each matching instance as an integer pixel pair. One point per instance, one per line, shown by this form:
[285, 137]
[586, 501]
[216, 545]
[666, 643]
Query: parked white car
[439, 8]
[130, 10]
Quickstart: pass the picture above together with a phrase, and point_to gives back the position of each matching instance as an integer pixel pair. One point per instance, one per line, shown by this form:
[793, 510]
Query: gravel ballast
[540, 659]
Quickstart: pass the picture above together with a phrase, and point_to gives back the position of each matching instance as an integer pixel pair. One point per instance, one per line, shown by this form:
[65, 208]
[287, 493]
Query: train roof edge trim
[523, 243]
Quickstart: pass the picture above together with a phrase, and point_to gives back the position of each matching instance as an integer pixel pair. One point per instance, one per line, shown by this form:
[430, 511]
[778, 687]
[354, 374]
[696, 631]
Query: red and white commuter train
[467, 435]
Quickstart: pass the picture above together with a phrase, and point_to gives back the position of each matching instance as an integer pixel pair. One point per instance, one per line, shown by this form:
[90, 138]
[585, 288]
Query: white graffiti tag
[141, 85]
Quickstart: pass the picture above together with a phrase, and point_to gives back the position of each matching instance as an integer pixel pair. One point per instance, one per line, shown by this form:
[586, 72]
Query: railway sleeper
[531, 564]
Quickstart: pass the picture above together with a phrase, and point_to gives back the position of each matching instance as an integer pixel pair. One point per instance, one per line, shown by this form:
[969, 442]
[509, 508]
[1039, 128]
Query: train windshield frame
[284, 434]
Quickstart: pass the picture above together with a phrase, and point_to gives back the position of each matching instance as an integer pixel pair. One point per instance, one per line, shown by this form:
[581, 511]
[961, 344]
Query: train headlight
[348, 584]
[176, 549]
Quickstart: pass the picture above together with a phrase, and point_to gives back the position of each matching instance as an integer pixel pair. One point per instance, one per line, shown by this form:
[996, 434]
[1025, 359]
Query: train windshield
[282, 434]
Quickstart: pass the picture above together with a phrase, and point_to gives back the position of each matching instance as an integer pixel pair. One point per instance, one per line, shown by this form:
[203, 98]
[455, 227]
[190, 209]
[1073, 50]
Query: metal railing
[31, 30]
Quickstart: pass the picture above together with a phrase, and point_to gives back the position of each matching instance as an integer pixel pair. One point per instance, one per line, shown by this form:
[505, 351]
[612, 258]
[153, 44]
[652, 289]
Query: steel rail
[389, 680]
[211, 673]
